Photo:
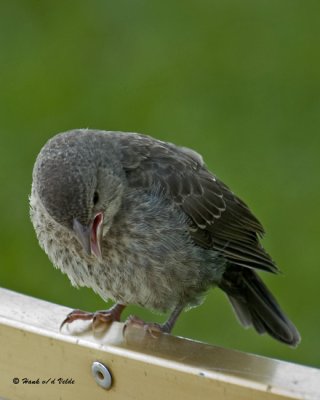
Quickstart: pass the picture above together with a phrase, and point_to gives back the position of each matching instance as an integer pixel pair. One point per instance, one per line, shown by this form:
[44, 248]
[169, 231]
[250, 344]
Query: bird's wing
[218, 218]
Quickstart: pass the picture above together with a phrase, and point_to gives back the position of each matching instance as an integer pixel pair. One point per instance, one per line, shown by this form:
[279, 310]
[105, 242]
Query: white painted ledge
[142, 367]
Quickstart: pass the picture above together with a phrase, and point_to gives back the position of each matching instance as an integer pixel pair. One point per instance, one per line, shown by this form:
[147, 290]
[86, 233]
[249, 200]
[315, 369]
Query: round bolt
[101, 375]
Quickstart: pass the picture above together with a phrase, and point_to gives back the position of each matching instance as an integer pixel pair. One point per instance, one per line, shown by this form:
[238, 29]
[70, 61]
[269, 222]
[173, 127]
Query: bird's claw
[152, 328]
[98, 317]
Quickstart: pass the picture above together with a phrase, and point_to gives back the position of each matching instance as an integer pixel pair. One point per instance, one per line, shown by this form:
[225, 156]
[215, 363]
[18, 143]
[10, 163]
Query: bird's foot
[152, 328]
[98, 318]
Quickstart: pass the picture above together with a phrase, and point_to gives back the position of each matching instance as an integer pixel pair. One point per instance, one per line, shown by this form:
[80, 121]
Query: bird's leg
[154, 328]
[169, 324]
[105, 317]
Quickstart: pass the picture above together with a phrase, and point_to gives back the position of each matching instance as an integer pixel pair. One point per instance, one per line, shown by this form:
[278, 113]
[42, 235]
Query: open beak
[90, 236]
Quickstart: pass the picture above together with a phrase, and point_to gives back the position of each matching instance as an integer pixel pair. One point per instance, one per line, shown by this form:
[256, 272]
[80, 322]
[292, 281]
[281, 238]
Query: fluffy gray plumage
[170, 229]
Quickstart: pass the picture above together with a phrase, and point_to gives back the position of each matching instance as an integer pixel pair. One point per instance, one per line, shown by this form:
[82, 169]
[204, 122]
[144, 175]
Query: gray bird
[144, 222]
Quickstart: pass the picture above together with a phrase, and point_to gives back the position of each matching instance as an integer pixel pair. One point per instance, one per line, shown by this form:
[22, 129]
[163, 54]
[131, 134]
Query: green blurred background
[237, 81]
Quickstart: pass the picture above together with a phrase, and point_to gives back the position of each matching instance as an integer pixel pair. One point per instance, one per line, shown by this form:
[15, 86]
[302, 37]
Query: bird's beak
[90, 236]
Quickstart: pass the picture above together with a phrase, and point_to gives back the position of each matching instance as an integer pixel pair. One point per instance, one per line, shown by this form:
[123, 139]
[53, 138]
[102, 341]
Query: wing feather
[218, 218]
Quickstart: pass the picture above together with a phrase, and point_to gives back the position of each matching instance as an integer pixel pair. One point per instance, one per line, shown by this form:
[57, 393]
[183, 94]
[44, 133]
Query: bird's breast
[148, 257]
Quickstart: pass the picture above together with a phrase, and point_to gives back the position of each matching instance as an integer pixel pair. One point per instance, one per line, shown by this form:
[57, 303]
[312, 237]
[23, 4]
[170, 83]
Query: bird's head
[79, 181]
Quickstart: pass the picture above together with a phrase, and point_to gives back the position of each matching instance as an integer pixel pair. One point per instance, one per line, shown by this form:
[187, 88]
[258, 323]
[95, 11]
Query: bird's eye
[95, 198]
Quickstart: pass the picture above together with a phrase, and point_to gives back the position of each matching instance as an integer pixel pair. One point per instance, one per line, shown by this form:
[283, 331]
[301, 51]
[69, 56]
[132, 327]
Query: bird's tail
[255, 306]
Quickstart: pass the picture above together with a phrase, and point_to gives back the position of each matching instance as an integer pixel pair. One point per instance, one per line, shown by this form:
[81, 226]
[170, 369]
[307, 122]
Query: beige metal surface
[142, 367]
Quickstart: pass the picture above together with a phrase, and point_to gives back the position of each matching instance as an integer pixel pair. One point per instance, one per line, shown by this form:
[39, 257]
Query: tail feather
[255, 306]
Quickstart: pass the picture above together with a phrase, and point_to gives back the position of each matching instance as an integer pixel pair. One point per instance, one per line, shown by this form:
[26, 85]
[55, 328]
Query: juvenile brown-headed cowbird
[144, 222]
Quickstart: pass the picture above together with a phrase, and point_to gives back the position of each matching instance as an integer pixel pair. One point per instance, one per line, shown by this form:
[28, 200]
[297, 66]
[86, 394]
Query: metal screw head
[101, 375]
